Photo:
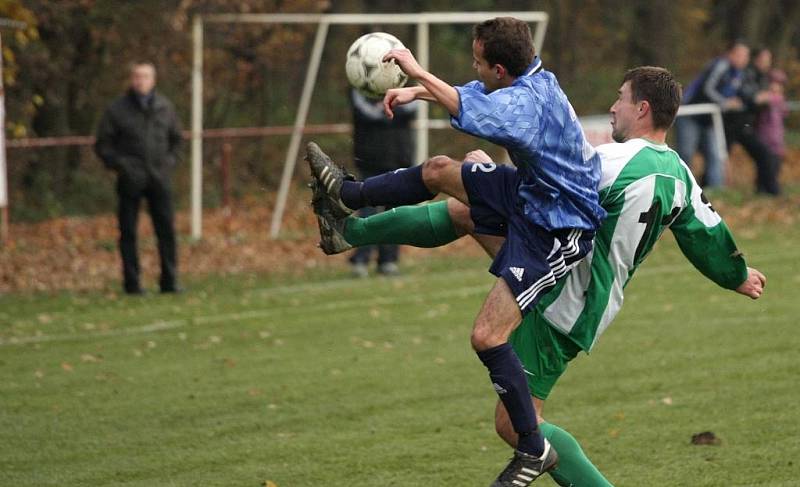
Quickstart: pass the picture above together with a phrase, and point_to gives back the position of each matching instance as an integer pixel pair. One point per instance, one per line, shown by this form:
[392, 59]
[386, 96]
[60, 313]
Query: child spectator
[769, 126]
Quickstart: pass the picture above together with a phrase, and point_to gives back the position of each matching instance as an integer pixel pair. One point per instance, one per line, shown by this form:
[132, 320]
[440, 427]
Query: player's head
[502, 48]
[142, 77]
[738, 54]
[648, 102]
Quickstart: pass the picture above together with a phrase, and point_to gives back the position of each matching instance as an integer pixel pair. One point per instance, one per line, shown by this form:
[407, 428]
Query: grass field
[328, 381]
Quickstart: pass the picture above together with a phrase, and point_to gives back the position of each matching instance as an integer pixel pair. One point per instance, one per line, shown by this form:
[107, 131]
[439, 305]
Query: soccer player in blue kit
[554, 210]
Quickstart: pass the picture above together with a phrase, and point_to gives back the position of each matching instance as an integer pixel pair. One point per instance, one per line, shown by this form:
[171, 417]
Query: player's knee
[435, 171]
[483, 337]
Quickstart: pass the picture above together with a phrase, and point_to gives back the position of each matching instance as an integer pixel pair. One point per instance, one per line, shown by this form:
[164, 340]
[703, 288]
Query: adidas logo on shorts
[517, 271]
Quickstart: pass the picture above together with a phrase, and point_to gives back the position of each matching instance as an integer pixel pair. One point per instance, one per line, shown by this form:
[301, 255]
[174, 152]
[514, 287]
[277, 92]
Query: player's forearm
[440, 92]
[712, 251]
[421, 93]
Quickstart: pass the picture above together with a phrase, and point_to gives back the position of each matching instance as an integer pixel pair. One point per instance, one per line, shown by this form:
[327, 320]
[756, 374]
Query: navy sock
[508, 379]
[395, 188]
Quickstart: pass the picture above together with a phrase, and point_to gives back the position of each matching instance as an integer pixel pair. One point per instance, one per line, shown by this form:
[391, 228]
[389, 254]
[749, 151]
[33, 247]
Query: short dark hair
[659, 88]
[506, 41]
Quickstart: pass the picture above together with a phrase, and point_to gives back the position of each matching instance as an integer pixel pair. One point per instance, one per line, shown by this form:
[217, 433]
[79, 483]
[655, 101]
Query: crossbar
[345, 19]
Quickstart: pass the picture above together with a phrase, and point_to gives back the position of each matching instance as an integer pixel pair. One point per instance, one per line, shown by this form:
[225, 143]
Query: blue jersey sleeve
[509, 117]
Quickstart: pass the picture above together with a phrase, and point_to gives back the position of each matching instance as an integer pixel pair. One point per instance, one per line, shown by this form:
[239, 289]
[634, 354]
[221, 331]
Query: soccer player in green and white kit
[645, 188]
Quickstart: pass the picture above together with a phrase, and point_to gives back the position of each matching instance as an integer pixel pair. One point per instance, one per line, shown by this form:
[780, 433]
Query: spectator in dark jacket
[380, 145]
[139, 138]
[718, 83]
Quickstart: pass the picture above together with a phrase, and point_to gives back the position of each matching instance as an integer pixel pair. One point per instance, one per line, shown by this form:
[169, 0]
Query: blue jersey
[532, 119]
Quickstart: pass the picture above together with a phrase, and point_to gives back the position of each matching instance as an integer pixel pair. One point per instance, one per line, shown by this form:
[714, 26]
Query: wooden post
[4, 226]
[13, 24]
[225, 175]
[197, 128]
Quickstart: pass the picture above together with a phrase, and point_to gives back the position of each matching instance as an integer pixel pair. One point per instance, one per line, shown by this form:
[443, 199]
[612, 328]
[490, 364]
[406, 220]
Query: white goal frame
[422, 20]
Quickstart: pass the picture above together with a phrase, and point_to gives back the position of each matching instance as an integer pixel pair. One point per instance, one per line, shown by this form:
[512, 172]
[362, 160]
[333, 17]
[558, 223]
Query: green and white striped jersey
[645, 188]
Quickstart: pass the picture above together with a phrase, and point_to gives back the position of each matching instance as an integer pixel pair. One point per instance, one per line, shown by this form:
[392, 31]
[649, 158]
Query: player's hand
[753, 286]
[406, 61]
[477, 155]
[395, 97]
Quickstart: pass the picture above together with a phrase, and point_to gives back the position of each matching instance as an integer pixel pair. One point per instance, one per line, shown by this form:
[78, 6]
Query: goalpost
[422, 20]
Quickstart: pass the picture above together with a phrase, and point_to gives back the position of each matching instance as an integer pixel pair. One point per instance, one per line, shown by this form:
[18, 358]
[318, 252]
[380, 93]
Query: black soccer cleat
[331, 228]
[330, 176]
[523, 468]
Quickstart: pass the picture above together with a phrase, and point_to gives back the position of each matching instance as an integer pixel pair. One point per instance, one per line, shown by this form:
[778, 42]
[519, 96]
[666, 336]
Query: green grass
[329, 381]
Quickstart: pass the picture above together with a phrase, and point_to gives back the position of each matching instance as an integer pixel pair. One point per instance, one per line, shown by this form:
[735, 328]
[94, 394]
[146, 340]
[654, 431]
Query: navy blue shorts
[532, 259]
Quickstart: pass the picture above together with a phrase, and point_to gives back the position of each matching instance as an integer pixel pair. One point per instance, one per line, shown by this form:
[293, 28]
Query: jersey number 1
[650, 218]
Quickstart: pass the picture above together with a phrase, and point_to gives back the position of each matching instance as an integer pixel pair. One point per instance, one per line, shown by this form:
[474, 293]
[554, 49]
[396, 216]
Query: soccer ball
[365, 70]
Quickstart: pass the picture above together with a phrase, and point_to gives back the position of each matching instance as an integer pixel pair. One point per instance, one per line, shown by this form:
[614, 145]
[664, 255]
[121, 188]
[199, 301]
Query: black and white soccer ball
[365, 69]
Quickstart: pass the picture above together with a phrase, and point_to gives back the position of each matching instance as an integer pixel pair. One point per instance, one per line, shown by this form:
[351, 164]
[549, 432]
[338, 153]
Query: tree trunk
[791, 17]
[653, 38]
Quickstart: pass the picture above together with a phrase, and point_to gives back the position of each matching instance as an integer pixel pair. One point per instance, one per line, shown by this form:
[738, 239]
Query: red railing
[81, 140]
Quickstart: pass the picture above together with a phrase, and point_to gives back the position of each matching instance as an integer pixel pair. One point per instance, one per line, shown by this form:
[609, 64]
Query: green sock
[574, 468]
[427, 225]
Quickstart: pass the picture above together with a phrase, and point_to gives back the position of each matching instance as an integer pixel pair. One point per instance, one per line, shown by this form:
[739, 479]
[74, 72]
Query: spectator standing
[770, 122]
[139, 138]
[719, 83]
[380, 145]
[740, 125]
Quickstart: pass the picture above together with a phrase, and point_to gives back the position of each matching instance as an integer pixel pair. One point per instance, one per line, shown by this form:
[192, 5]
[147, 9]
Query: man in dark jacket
[139, 138]
[718, 83]
[379, 145]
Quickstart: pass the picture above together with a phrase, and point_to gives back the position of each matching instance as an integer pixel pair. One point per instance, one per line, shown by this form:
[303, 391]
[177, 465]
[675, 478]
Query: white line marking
[161, 325]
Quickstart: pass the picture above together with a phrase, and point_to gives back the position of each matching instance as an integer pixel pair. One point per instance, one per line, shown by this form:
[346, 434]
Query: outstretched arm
[437, 90]
[707, 242]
